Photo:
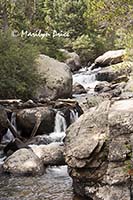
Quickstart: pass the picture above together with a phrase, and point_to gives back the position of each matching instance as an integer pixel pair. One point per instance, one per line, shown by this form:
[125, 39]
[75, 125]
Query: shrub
[89, 47]
[18, 76]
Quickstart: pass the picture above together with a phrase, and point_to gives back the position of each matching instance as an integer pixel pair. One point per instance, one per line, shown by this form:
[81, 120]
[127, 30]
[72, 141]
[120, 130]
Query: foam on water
[60, 127]
[86, 78]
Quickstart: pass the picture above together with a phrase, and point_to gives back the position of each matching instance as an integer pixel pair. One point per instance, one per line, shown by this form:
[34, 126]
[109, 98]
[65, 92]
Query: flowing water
[60, 127]
[86, 78]
[73, 116]
[55, 183]
[8, 137]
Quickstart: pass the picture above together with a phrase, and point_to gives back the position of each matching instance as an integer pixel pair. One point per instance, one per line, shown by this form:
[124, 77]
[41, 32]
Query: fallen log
[13, 130]
[10, 101]
[37, 124]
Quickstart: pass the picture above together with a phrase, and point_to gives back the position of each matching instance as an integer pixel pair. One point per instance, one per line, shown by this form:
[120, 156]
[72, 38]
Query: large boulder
[72, 59]
[82, 138]
[116, 73]
[109, 58]
[23, 162]
[27, 118]
[99, 152]
[51, 154]
[57, 78]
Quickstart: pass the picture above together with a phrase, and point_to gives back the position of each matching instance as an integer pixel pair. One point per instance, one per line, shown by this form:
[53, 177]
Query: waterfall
[60, 123]
[60, 127]
[73, 115]
[85, 78]
[8, 137]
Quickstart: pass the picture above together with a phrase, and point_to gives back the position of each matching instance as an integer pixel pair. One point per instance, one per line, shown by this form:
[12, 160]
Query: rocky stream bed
[75, 148]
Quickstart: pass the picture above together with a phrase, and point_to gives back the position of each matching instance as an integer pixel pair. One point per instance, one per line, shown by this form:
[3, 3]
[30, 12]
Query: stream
[55, 183]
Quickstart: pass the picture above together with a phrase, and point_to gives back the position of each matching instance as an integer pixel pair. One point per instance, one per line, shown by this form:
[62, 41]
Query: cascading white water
[60, 127]
[86, 78]
[8, 137]
[73, 115]
[60, 123]
[2, 160]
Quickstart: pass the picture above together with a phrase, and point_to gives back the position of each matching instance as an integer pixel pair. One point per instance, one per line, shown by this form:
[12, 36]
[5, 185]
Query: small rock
[51, 154]
[102, 87]
[78, 89]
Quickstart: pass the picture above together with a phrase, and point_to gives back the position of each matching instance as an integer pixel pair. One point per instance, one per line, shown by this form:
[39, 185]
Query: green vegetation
[18, 77]
[92, 27]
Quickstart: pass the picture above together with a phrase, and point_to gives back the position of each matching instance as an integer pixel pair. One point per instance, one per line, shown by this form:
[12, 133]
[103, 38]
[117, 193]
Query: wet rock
[23, 162]
[26, 120]
[106, 89]
[99, 151]
[66, 112]
[112, 73]
[109, 58]
[39, 139]
[57, 79]
[51, 154]
[1, 169]
[102, 87]
[13, 146]
[69, 107]
[78, 89]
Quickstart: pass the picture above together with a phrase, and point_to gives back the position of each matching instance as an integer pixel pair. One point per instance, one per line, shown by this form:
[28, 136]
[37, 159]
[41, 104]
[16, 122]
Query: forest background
[92, 28]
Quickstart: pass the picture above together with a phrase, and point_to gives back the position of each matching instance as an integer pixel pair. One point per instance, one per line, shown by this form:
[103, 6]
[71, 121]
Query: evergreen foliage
[93, 28]
[18, 77]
